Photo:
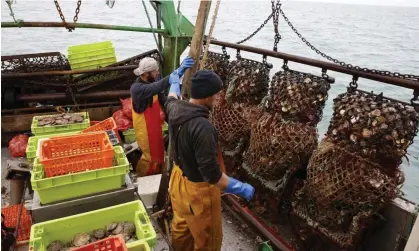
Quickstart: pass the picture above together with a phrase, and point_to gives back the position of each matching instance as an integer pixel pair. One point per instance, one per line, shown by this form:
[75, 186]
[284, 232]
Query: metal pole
[411, 84]
[79, 25]
[196, 44]
[64, 96]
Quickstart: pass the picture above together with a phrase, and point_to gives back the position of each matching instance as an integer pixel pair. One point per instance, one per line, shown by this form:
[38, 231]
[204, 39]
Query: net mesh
[219, 64]
[230, 121]
[277, 146]
[248, 81]
[298, 96]
[340, 185]
[373, 127]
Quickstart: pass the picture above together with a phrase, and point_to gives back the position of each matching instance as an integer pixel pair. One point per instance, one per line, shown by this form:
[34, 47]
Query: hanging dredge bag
[127, 107]
[230, 121]
[298, 97]
[18, 144]
[373, 127]
[122, 122]
[248, 81]
[276, 146]
[219, 64]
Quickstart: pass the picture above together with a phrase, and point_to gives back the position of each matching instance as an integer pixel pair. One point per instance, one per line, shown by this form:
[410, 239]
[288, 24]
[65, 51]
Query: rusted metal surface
[34, 62]
[278, 243]
[411, 84]
[79, 96]
[72, 26]
[68, 72]
[53, 108]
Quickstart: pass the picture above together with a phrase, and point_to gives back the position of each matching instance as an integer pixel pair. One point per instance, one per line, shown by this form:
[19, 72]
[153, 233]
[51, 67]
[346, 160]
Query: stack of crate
[70, 163]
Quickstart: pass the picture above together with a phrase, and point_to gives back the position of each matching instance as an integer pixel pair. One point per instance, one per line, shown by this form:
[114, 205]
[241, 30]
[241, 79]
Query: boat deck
[237, 236]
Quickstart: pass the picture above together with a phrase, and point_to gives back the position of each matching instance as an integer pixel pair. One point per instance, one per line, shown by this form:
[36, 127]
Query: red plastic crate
[76, 153]
[11, 214]
[112, 243]
[105, 125]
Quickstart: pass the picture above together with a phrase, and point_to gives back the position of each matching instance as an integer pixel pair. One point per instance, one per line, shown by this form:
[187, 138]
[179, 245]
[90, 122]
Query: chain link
[350, 66]
[275, 13]
[76, 16]
[257, 30]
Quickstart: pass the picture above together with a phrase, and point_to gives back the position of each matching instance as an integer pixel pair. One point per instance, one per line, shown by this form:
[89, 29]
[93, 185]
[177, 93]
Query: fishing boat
[353, 210]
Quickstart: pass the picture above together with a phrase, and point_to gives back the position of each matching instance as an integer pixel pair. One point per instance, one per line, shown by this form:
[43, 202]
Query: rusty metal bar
[322, 64]
[31, 55]
[64, 96]
[53, 108]
[56, 73]
[280, 244]
[79, 25]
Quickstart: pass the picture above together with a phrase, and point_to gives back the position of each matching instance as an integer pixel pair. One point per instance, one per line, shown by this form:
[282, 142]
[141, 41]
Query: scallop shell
[55, 246]
[129, 228]
[119, 228]
[99, 233]
[81, 239]
[111, 226]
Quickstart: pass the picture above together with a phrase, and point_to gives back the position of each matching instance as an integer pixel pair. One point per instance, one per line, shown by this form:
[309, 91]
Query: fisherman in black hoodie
[197, 180]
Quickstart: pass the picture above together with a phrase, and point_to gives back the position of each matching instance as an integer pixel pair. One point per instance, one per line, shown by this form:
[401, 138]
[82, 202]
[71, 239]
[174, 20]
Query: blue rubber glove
[239, 188]
[174, 81]
[187, 63]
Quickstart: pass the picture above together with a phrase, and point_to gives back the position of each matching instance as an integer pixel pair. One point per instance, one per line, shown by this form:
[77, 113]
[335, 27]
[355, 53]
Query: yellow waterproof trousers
[196, 207]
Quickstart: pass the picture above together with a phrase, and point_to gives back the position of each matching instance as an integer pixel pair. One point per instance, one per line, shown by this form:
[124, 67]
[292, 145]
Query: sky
[413, 3]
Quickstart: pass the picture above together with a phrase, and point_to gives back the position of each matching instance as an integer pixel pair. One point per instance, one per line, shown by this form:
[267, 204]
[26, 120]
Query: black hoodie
[195, 140]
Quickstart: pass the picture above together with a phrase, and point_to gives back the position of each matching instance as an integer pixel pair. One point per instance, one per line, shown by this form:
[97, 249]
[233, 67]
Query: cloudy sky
[414, 3]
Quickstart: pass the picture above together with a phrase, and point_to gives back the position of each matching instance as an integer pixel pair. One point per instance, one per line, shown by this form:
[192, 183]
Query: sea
[379, 37]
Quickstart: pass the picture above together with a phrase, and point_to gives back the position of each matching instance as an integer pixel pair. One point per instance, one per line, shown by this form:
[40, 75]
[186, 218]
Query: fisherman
[148, 98]
[198, 176]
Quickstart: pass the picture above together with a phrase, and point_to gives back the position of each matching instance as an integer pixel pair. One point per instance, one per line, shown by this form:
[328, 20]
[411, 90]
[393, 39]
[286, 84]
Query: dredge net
[340, 185]
[231, 122]
[298, 97]
[219, 64]
[373, 127]
[248, 81]
[276, 146]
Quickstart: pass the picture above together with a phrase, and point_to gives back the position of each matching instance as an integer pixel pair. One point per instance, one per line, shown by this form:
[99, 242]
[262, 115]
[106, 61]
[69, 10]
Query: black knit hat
[205, 84]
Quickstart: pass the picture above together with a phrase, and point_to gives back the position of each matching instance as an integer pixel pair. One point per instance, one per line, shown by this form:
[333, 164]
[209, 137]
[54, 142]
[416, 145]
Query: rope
[152, 30]
[214, 18]
[178, 29]
[9, 3]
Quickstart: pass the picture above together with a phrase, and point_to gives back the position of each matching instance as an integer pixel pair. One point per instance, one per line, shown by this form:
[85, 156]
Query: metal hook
[238, 54]
[329, 79]
[285, 66]
[354, 83]
[225, 52]
[267, 65]
[415, 100]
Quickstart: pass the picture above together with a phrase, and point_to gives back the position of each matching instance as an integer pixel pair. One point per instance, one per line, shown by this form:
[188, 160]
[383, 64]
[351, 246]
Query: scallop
[81, 239]
[99, 233]
[366, 133]
[111, 226]
[119, 228]
[55, 246]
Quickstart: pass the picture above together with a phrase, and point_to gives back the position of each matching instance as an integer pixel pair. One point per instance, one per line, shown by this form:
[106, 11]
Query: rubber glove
[174, 81]
[187, 63]
[239, 188]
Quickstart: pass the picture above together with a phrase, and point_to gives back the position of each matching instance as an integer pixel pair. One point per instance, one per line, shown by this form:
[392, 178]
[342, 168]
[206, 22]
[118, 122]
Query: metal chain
[275, 14]
[257, 30]
[350, 66]
[73, 98]
[76, 16]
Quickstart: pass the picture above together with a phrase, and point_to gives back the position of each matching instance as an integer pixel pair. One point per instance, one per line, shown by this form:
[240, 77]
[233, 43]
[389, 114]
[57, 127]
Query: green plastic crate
[91, 56]
[33, 144]
[64, 229]
[79, 184]
[43, 130]
[140, 246]
[129, 136]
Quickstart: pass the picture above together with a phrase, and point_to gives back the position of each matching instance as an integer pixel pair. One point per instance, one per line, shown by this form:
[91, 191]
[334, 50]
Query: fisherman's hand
[187, 63]
[239, 188]
[174, 84]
